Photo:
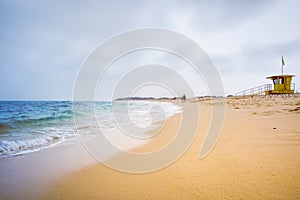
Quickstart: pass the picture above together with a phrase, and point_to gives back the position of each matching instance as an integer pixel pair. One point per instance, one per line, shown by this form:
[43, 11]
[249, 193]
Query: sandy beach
[256, 157]
[124, 100]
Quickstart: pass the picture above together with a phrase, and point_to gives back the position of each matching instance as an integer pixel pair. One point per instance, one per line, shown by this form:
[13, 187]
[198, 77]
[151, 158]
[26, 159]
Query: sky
[44, 43]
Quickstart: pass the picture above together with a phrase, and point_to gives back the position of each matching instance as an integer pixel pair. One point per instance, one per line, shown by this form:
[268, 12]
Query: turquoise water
[28, 126]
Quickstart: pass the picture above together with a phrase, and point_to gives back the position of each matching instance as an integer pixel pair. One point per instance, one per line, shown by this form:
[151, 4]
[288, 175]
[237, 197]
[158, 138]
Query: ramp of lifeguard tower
[259, 90]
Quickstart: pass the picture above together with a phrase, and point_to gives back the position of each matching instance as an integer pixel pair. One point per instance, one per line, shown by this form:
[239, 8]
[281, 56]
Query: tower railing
[259, 90]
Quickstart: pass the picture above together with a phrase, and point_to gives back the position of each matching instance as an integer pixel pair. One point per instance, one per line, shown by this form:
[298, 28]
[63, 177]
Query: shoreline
[30, 175]
[256, 157]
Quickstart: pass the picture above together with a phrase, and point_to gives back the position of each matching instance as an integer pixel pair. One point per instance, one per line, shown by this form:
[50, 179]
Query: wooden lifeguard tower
[282, 84]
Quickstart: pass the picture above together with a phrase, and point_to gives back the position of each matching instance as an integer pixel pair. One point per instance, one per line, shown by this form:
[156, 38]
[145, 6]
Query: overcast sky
[43, 43]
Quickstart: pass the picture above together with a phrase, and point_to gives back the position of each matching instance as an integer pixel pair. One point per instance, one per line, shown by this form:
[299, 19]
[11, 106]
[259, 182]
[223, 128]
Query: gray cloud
[217, 15]
[43, 43]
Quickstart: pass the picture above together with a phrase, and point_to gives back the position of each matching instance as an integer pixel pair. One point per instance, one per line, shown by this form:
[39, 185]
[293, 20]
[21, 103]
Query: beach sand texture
[256, 157]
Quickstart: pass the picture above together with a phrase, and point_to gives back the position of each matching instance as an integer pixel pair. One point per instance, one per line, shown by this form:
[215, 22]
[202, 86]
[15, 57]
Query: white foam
[42, 140]
[142, 113]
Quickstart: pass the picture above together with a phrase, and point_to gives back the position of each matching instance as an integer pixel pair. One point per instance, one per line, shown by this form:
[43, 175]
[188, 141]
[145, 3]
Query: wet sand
[29, 176]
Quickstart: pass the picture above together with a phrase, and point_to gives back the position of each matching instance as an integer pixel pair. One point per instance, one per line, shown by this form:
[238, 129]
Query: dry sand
[256, 157]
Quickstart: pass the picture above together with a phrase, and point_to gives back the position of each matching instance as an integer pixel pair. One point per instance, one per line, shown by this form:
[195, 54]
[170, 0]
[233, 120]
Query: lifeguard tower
[282, 84]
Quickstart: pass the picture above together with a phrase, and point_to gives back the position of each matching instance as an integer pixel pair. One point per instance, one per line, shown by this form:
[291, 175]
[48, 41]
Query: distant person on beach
[183, 98]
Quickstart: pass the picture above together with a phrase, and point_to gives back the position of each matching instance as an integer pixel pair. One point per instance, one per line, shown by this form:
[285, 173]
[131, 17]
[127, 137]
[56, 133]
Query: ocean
[29, 126]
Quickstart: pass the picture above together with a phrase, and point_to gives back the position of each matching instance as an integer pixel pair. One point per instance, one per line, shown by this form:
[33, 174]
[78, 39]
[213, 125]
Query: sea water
[29, 126]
